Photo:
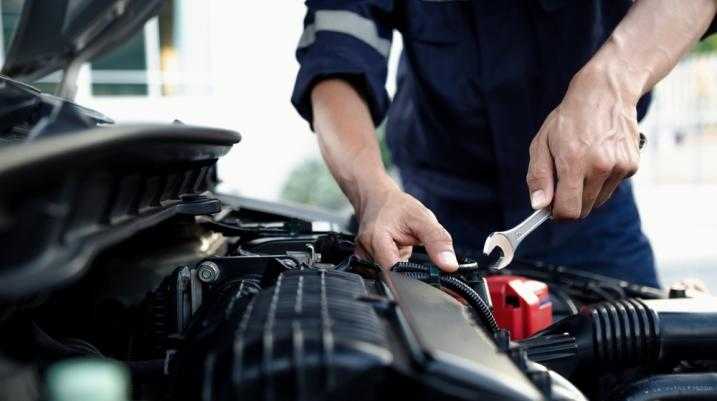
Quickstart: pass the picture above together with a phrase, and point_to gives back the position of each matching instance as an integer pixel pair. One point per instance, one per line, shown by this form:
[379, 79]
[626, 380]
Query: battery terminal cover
[520, 305]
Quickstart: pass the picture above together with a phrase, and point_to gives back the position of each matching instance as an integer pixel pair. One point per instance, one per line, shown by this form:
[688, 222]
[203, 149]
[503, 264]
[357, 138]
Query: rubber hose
[402, 267]
[472, 297]
[627, 333]
[421, 272]
[416, 275]
[418, 267]
[685, 386]
[485, 316]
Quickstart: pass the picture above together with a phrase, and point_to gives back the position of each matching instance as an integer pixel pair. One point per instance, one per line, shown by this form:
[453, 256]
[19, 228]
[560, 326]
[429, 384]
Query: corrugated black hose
[687, 386]
[401, 267]
[423, 273]
[472, 297]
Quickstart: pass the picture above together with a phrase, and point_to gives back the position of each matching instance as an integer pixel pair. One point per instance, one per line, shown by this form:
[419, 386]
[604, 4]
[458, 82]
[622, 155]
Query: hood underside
[67, 197]
[54, 35]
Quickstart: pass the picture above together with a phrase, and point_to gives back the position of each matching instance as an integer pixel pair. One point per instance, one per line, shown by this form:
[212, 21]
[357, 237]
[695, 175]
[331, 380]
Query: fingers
[567, 204]
[600, 170]
[541, 174]
[385, 250]
[361, 253]
[626, 165]
[579, 192]
[394, 224]
[584, 186]
[380, 246]
[436, 240]
[620, 171]
[405, 252]
[608, 189]
[591, 189]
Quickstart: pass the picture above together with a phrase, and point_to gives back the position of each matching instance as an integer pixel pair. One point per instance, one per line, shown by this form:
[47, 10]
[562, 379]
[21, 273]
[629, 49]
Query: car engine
[246, 303]
[126, 274]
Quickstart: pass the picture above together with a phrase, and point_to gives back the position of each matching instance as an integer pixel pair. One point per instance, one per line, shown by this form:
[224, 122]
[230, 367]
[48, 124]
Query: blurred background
[231, 64]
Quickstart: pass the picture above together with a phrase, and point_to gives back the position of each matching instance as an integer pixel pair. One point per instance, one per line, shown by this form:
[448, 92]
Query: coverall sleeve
[350, 39]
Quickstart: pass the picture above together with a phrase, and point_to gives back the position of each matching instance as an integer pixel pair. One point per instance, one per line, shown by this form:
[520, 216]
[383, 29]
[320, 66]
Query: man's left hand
[586, 146]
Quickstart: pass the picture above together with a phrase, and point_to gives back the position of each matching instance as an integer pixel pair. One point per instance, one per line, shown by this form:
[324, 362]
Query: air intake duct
[628, 333]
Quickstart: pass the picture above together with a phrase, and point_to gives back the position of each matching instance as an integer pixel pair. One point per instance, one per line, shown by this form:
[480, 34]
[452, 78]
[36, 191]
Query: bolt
[208, 272]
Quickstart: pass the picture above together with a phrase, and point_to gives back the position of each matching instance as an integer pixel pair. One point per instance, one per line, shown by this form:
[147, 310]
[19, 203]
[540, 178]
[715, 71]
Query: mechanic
[490, 92]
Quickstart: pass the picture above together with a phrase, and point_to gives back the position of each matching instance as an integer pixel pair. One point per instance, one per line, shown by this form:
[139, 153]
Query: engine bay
[252, 304]
[125, 274]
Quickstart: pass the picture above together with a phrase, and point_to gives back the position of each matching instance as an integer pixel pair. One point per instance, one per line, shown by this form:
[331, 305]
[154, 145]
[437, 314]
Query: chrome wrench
[507, 241]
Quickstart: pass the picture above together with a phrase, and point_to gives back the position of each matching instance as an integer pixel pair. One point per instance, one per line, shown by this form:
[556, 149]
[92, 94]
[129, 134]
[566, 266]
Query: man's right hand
[391, 222]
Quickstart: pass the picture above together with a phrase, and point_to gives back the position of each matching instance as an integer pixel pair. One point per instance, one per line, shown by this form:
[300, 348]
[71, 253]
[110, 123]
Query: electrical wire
[423, 273]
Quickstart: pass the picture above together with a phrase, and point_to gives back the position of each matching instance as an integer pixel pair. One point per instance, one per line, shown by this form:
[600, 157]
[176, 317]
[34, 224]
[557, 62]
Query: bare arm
[390, 221]
[652, 39]
[590, 141]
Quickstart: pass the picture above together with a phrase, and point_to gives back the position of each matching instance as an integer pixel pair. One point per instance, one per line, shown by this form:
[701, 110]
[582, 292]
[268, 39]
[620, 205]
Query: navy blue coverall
[476, 81]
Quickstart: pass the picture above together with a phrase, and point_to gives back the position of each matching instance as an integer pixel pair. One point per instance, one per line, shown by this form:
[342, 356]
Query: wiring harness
[431, 273]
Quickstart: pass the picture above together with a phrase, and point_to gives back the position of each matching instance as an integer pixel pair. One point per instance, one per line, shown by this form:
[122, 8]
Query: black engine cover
[320, 334]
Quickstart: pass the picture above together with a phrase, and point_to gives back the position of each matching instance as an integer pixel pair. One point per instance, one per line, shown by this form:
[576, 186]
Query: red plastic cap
[520, 305]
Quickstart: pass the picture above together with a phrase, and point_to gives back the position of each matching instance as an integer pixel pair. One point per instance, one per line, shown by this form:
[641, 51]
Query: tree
[708, 45]
[311, 183]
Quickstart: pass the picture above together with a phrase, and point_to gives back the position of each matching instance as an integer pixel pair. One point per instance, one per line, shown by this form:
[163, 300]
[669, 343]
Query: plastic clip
[434, 275]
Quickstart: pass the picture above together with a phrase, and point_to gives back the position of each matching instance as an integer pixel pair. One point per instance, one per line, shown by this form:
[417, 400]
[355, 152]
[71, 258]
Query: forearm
[347, 141]
[648, 43]
[391, 222]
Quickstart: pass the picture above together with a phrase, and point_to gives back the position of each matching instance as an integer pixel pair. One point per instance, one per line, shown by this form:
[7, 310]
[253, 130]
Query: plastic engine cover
[330, 335]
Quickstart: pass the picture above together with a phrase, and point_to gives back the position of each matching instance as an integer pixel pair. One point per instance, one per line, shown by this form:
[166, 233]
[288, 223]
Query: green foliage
[385, 152]
[311, 183]
[709, 45]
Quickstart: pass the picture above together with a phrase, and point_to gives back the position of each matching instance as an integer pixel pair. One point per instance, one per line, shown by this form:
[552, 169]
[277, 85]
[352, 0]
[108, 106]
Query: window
[122, 71]
[10, 16]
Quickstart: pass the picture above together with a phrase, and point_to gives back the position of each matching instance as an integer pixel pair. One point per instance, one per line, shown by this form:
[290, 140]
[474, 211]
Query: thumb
[541, 175]
[437, 241]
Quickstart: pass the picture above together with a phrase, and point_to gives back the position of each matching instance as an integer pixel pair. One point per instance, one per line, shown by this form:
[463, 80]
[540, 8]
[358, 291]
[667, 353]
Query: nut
[208, 272]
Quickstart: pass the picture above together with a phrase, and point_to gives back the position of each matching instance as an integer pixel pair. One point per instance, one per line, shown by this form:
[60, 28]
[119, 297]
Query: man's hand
[585, 148]
[391, 222]
[590, 142]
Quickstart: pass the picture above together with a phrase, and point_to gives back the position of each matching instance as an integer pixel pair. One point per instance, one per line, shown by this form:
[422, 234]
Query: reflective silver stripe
[347, 23]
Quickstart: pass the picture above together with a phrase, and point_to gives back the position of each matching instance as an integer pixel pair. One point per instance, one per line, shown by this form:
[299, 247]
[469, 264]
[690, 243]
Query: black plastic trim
[65, 198]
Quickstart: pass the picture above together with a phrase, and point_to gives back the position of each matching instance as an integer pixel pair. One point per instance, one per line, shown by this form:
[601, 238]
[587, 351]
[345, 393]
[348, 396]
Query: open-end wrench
[507, 241]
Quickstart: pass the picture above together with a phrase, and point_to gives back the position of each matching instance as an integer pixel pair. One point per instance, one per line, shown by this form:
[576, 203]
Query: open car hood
[59, 34]
[67, 197]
